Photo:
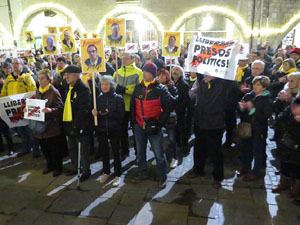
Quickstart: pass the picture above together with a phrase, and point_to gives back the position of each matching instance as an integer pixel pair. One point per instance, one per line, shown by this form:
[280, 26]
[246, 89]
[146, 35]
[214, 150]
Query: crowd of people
[150, 98]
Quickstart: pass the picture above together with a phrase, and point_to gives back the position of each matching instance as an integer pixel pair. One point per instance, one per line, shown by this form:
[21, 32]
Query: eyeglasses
[15, 63]
[92, 51]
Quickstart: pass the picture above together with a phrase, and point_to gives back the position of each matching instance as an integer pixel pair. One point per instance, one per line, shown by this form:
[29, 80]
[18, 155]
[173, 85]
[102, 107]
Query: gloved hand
[120, 89]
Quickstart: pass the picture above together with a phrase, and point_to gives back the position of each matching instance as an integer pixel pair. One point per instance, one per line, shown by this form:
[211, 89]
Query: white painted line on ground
[6, 167]
[8, 156]
[66, 162]
[23, 177]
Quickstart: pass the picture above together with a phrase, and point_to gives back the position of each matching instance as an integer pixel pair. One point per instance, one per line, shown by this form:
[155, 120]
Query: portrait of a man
[114, 37]
[50, 45]
[67, 39]
[28, 37]
[171, 48]
[94, 61]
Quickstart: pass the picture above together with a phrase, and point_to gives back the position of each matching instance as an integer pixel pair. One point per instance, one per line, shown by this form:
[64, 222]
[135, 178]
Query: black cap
[261, 47]
[72, 69]
[7, 65]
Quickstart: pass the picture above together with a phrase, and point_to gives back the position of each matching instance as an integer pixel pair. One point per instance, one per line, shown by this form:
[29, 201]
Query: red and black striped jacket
[156, 102]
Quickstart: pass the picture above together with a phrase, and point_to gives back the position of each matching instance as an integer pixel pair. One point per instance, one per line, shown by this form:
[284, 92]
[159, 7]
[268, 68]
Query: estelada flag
[49, 44]
[29, 39]
[115, 32]
[171, 44]
[92, 55]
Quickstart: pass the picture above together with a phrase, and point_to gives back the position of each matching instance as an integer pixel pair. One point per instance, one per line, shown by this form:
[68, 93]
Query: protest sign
[174, 61]
[67, 40]
[131, 48]
[52, 30]
[49, 44]
[213, 56]
[107, 51]
[29, 37]
[146, 46]
[128, 36]
[62, 29]
[34, 109]
[85, 35]
[115, 32]
[94, 35]
[171, 44]
[92, 55]
[11, 109]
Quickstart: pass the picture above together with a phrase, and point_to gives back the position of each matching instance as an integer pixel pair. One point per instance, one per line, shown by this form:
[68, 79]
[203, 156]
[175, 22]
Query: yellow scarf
[43, 90]
[193, 79]
[288, 72]
[67, 116]
[148, 83]
[240, 73]
[62, 70]
[86, 77]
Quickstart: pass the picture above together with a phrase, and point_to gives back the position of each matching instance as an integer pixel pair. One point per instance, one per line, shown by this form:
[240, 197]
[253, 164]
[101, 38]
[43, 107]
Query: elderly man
[126, 78]
[150, 108]
[257, 69]
[154, 59]
[18, 82]
[295, 55]
[77, 120]
[181, 107]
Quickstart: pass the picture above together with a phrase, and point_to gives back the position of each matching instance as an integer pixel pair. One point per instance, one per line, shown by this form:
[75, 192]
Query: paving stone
[54, 219]
[205, 191]
[72, 202]
[202, 221]
[89, 221]
[132, 199]
[105, 208]
[40, 202]
[4, 219]
[236, 194]
[156, 213]
[205, 208]
[25, 217]
[123, 214]
[13, 200]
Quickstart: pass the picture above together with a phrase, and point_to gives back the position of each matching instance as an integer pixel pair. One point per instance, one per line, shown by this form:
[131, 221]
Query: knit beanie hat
[151, 68]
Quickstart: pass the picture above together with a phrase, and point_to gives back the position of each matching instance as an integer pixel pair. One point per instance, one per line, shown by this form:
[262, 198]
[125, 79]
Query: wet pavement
[29, 198]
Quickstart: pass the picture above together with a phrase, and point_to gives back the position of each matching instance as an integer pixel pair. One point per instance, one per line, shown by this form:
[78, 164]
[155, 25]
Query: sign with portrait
[94, 35]
[171, 44]
[92, 55]
[67, 41]
[213, 56]
[115, 32]
[49, 44]
[85, 35]
[62, 29]
[34, 109]
[29, 39]
[128, 37]
[52, 30]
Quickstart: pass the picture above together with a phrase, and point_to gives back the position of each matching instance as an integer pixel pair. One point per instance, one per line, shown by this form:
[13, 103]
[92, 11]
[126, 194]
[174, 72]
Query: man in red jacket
[150, 107]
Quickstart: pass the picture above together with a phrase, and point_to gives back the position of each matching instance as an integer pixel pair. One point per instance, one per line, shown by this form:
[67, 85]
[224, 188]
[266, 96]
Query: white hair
[258, 61]
[182, 70]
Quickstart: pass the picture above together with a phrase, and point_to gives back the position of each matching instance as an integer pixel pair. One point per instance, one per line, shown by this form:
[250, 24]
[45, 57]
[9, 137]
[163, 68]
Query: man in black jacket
[77, 120]
[182, 105]
[209, 125]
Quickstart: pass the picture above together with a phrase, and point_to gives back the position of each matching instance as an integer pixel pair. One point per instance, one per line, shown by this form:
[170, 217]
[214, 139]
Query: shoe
[250, 177]
[227, 144]
[20, 154]
[285, 183]
[139, 178]
[153, 163]
[10, 153]
[216, 184]
[116, 181]
[71, 172]
[162, 183]
[84, 177]
[56, 173]
[174, 163]
[104, 178]
[296, 202]
[46, 171]
[241, 172]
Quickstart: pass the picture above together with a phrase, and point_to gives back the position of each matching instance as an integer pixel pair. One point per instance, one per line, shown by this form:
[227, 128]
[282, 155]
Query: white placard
[131, 48]
[34, 109]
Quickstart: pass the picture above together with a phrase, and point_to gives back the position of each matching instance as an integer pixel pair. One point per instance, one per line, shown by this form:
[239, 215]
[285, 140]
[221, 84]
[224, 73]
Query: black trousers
[180, 131]
[124, 135]
[208, 142]
[53, 152]
[114, 139]
[4, 129]
[230, 121]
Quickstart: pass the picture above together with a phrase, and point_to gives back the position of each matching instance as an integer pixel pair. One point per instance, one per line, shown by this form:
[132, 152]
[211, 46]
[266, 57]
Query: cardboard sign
[85, 35]
[146, 46]
[29, 39]
[171, 44]
[49, 44]
[67, 41]
[115, 32]
[52, 30]
[174, 61]
[213, 56]
[131, 48]
[92, 55]
[34, 109]
[94, 35]
[128, 37]
[11, 109]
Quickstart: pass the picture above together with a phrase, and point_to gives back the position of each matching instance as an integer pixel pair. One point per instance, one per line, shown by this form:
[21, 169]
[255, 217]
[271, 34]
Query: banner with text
[213, 56]
[11, 109]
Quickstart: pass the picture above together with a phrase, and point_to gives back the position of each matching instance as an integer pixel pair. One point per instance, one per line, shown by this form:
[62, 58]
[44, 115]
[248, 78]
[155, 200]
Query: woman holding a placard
[49, 138]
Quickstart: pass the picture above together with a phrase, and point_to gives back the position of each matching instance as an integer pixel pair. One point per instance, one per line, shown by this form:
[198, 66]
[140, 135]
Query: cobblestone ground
[29, 198]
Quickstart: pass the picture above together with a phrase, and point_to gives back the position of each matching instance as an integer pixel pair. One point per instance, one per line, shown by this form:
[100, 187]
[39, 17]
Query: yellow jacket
[24, 83]
[128, 77]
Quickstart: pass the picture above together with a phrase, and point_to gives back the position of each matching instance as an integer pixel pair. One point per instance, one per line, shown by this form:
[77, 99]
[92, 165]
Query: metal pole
[78, 169]
[252, 24]
[11, 21]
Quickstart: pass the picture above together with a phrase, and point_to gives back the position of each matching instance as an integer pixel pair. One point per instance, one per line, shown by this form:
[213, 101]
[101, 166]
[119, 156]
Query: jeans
[208, 142]
[124, 135]
[172, 139]
[114, 139]
[156, 142]
[85, 152]
[253, 148]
